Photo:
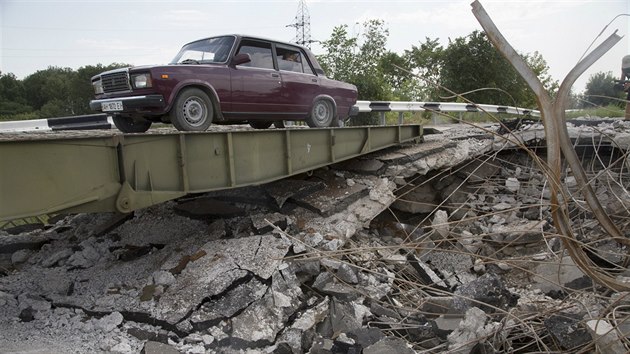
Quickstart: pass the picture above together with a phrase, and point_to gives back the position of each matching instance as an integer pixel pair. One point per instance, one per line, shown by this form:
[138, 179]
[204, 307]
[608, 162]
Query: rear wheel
[322, 114]
[279, 124]
[130, 125]
[192, 111]
[259, 124]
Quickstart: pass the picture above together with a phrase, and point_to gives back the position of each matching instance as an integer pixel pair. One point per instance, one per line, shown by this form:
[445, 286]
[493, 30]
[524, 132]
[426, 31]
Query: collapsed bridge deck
[44, 174]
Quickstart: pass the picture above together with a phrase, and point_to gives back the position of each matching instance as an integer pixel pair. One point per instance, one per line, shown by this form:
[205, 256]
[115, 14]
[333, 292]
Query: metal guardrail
[398, 106]
[85, 122]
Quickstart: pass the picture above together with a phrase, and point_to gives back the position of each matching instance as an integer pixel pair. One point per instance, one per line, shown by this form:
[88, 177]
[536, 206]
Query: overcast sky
[37, 34]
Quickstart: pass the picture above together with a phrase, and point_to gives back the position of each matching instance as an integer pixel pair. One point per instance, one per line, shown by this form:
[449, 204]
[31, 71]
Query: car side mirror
[241, 58]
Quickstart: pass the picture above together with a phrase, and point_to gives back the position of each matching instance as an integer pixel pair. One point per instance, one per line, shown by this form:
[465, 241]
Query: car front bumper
[131, 104]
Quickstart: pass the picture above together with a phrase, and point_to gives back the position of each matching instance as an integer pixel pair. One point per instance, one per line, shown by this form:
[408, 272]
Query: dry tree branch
[558, 144]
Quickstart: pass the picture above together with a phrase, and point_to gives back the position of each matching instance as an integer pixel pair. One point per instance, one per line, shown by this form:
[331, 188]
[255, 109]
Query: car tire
[258, 124]
[130, 125]
[322, 114]
[192, 111]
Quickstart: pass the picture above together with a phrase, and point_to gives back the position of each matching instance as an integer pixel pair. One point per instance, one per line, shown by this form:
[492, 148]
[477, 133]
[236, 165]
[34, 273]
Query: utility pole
[302, 26]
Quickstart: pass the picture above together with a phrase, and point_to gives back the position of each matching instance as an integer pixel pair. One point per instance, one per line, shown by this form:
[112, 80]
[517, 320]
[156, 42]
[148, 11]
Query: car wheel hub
[194, 111]
[322, 112]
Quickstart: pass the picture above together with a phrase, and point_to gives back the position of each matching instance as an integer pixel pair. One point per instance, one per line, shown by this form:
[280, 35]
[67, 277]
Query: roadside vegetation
[427, 71]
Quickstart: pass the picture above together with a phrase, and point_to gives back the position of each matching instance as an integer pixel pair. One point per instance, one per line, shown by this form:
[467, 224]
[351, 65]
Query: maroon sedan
[225, 80]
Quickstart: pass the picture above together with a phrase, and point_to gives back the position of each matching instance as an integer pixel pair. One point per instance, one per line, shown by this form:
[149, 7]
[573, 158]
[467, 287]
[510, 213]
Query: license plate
[112, 106]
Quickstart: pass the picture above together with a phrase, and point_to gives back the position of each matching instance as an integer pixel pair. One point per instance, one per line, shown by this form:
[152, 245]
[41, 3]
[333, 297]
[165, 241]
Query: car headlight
[98, 87]
[141, 80]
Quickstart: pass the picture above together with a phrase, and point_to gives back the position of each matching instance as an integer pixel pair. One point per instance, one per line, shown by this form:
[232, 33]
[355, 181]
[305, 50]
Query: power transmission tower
[302, 26]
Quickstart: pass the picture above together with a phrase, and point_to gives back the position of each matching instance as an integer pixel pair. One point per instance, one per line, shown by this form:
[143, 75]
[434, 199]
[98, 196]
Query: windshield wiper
[189, 61]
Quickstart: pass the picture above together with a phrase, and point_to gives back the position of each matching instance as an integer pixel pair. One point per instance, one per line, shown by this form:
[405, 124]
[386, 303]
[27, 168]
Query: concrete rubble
[448, 245]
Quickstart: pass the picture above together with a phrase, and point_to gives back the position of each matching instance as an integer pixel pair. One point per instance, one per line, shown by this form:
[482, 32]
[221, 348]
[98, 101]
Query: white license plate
[112, 106]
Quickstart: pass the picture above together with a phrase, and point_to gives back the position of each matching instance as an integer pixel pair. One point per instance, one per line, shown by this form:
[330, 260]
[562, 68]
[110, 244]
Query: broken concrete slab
[30, 241]
[389, 345]
[343, 317]
[520, 233]
[264, 223]
[282, 191]
[365, 166]
[209, 208]
[567, 330]
[453, 266]
[558, 275]
[475, 327]
[605, 336]
[332, 200]
[213, 273]
[486, 292]
[223, 307]
[151, 347]
[416, 199]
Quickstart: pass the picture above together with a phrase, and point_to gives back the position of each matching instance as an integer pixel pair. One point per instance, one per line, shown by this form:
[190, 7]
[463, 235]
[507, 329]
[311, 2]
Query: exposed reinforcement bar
[128, 172]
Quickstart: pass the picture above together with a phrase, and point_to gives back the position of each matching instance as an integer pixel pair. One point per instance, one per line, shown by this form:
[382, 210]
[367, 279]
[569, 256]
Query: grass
[428, 118]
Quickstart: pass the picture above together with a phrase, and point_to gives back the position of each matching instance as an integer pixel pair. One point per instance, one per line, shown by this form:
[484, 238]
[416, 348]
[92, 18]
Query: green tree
[601, 90]
[358, 60]
[472, 63]
[426, 61]
[52, 84]
[12, 97]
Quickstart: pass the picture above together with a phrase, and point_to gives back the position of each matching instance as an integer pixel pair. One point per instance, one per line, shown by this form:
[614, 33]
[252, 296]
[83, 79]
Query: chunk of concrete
[209, 208]
[479, 171]
[555, 275]
[226, 306]
[454, 267]
[287, 189]
[217, 269]
[471, 330]
[567, 330]
[368, 166]
[605, 337]
[520, 233]
[333, 199]
[264, 223]
[389, 345]
[151, 347]
[416, 199]
[440, 226]
[486, 292]
[512, 184]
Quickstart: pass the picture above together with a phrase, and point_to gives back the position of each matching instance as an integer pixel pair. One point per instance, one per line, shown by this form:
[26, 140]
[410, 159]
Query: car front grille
[116, 82]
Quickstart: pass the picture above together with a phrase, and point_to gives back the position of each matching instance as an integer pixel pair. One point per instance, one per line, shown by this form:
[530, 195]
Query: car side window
[260, 52]
[290, 59]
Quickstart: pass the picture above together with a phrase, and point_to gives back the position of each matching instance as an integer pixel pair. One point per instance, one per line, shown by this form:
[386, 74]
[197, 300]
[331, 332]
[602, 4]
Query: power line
[302, 26]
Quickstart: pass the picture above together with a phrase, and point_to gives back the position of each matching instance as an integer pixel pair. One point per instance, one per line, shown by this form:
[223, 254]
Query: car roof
[237, 35]
[308, 52]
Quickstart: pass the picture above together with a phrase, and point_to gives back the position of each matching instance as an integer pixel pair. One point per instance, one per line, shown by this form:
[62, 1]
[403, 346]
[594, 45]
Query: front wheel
[130, 125]
[322, 114]
[192, 111]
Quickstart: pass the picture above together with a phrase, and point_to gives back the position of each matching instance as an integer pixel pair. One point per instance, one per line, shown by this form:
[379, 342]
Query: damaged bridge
[47, 173]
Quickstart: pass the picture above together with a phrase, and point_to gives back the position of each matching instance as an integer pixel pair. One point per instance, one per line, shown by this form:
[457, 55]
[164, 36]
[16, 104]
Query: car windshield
[211, 50]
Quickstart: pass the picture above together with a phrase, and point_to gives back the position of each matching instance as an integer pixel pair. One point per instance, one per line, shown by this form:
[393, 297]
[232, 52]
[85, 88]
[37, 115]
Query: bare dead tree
[559, 145]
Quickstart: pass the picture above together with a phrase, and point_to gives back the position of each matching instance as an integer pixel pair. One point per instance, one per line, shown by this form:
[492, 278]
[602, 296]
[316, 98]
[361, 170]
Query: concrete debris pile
[444, 246]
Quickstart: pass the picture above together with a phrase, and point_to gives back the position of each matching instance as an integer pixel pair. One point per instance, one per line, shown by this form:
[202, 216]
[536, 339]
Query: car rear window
[290, 59]
[260, 52]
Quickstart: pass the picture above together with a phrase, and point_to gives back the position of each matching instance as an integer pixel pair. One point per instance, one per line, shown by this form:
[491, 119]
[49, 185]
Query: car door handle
[275, 75]
[314, 80]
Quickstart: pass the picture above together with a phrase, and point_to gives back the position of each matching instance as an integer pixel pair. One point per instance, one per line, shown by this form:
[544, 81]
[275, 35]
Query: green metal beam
[128, 172]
